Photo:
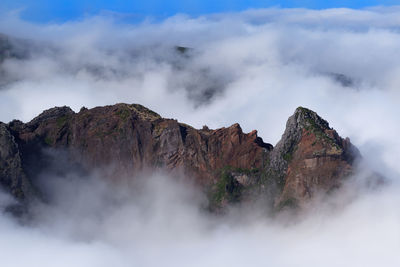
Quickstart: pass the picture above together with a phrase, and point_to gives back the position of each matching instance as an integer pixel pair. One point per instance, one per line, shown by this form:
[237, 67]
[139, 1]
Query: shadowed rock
[12, 176]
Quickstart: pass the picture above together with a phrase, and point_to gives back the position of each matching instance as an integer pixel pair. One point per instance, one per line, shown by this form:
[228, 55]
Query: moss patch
[48, 140]
[124, 114]
[228, 190]
[144, 113]
[288, 156]
[320, 134]
[61, 121]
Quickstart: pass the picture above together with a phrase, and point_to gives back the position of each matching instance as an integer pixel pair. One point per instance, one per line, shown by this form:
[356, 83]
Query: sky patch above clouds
[134, 11]
[253, 67]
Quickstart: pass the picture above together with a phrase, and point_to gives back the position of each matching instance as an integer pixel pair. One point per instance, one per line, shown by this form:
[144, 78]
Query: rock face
[12, 177]
[230, 165]
[310, 157]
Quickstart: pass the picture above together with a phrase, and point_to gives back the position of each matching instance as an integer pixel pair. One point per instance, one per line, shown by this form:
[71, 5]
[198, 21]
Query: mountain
[128, 140]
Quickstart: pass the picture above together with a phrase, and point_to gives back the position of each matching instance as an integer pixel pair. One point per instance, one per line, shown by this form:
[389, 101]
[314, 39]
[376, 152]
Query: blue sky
[62, 10]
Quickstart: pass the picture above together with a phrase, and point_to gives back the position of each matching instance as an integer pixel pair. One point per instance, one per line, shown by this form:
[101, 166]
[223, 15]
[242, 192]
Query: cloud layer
[254, 68]
[160, 221]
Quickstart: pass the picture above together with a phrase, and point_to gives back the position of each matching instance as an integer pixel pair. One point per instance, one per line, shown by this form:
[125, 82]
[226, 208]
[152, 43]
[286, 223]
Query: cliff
[231, 166]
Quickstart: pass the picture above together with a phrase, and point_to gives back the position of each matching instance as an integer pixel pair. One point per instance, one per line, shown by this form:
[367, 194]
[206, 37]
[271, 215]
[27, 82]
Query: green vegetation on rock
[317, 126]
[48, 141]
[144, 113]
[227, 188]
[61, 121]
[123, 113]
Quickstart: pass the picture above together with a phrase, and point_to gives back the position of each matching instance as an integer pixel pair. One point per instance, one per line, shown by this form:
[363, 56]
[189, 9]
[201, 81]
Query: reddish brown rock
[232, 165]
[312, 158]
[131, 138]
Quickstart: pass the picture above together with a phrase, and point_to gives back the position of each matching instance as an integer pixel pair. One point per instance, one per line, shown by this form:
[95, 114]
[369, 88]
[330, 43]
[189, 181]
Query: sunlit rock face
[311, 157]
[229, 165]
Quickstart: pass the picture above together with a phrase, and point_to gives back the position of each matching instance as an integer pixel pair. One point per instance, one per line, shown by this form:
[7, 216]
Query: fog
[253, 67]
[160, 220]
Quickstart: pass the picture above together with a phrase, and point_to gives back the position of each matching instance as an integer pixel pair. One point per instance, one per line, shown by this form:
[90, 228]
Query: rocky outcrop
[311, 157]
[230, 165]
[131, 138]
[12, 177]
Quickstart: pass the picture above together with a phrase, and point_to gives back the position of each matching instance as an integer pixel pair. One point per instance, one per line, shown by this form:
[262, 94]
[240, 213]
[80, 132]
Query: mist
[254, 68]
[159, 219]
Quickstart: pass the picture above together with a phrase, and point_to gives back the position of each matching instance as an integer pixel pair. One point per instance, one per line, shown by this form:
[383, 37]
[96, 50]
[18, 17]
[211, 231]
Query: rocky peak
[140, 111]
[232, 166]
[51, 114]
[302, 120]
[309, 157]
[306, 118]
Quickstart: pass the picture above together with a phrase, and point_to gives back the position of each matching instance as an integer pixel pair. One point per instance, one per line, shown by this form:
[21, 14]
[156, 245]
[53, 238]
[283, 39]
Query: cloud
[253, 67]
[89, 221]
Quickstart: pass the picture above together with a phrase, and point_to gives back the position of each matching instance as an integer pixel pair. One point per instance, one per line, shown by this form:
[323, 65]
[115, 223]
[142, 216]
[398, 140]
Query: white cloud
[159, 221]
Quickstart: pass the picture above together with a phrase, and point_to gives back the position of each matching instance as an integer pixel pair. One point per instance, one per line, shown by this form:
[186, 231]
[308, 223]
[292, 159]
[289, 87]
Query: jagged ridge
[230, 165]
